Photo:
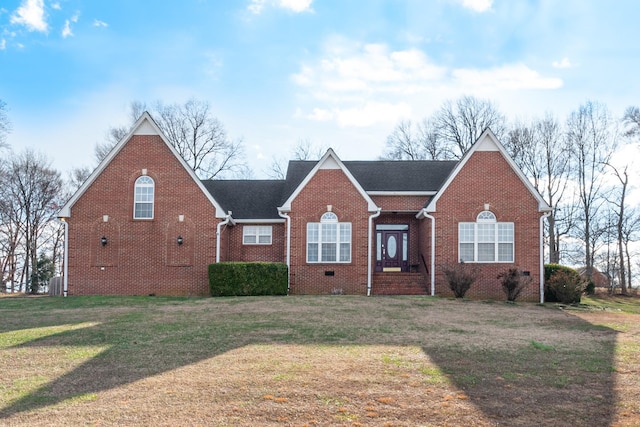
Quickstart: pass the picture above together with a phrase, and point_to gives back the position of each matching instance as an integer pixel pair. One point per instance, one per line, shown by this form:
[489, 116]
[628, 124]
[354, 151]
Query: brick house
[143, 223]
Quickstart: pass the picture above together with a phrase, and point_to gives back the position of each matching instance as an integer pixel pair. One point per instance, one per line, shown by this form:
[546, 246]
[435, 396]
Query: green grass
[629, 304]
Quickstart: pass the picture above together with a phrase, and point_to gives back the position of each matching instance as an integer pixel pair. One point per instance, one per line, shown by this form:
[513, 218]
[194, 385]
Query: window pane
[505, 252]
[249, 239]
[328, 252]
[466, 252]
[505, 232]
[264, 239]
[466, 232]
[329, 233]
[486, 232]
[345, 232]
[312, 232]
[345, 252]
[486, 252]
[312, 252]
[143, 210]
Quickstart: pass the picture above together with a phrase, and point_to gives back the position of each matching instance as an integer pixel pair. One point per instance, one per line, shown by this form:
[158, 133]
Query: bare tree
[5, 124]
[303, 150]
[34, 187]
[618, 199]
[198, 136]
[405, 143]
[461, 123]
[543, 154]
[631, 119]
[116, 133]
[592, 137]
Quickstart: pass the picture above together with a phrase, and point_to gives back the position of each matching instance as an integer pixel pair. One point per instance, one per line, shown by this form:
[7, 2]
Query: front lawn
[351, 361]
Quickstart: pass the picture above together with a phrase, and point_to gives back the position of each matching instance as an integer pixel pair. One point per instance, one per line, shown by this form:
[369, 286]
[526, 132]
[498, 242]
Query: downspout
[433, 252]
[542, 218]
[65, 260]
[369, 250]
[226, 221]
[288, 219]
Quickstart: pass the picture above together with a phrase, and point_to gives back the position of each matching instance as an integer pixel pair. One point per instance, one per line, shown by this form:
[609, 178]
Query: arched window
[486, 240]
[143, 198]
[328, 240]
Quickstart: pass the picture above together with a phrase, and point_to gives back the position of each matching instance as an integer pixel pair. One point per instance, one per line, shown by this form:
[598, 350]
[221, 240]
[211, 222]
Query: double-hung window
[486, 240]
[256, 234]
[143, 198]
[329, 240]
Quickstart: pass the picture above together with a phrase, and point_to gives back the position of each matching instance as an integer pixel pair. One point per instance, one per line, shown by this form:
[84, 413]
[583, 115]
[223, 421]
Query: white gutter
[371, 217]
[226, 221]
[65, 267]
[433, 252]
[288, 220]
[542, 218]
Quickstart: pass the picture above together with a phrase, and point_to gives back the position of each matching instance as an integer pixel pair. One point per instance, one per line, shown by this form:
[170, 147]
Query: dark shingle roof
[247, 199]
[259, 199]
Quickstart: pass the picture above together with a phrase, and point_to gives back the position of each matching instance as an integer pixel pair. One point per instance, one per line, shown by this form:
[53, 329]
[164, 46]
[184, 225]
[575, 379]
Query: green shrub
[247, 278]
[590, 289]
[513, 282]
[460, 277]
[562, 284]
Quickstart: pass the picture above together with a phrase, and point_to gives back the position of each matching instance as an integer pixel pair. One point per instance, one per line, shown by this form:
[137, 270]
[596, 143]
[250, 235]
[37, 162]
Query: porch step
[399, 284]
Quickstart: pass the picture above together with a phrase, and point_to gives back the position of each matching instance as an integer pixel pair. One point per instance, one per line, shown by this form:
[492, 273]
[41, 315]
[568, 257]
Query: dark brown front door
[391, 253]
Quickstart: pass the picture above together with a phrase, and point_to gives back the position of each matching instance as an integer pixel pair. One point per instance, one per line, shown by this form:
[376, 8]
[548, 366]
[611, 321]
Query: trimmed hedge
[562, 284]
[247, 278]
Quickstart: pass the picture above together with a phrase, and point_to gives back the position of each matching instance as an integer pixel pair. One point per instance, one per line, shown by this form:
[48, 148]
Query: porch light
[180, 240]
[103, 241]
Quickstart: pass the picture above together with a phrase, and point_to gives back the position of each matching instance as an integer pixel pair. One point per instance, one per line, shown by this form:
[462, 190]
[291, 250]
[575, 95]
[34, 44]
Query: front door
[391, 247]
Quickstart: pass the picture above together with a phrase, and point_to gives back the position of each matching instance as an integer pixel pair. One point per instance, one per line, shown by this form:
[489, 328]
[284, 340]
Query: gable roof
[488, 142]
[329, 161]
[145, 125]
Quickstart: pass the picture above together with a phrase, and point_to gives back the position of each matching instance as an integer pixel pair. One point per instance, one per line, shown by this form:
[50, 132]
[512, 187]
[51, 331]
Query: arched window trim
[328, 241]
[486, 216]
[486, 240]
[144, 197]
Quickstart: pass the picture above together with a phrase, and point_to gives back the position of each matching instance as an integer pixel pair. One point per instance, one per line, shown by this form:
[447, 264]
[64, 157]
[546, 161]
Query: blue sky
[339, 73]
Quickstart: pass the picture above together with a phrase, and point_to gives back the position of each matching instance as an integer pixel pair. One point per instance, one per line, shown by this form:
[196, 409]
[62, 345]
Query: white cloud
[99, 23]
[3, 44]
[509, 77]
[564, 63]
[56, 6]
[66, 30]
[359, 85]
[31, 15]
[297, 6]
[478, 5]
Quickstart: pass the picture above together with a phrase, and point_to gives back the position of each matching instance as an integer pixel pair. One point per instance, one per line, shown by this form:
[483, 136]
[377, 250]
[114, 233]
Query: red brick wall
[275, 252]
[487, 178]
[329, 187]
[141, 257]
[400, 203]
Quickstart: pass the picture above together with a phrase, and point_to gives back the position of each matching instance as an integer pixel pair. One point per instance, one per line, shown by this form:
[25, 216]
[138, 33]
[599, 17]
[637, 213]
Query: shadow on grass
[551, 367]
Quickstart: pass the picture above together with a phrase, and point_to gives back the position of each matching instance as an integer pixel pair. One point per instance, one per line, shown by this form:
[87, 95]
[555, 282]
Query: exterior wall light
[103, 241]
[180, 240]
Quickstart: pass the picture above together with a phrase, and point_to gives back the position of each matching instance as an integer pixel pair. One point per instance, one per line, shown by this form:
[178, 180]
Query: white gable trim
[329, 161]
[488, 142]
[145, 125]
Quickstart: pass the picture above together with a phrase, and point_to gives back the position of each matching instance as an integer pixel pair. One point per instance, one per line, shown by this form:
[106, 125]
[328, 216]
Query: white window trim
[329, 218]
[484, 218]
[137, 185]
[257, 231]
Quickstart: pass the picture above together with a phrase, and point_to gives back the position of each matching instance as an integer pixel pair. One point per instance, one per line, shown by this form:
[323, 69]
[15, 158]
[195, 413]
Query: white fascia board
[329, 156]
[260, 221]
[492, 144]
[402, 193]
[145, 125]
